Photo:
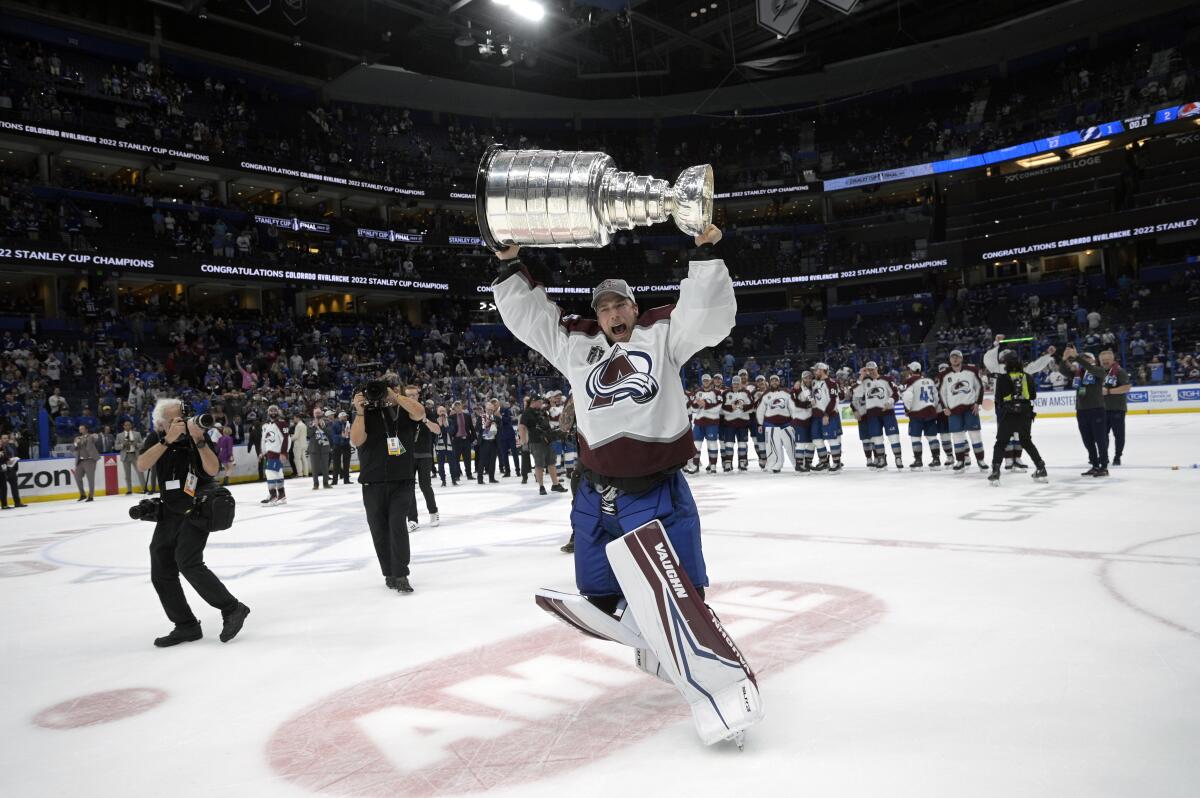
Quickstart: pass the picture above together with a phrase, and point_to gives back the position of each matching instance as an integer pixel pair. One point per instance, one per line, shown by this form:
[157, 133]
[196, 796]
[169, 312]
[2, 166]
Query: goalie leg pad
[684, 635]
[579, 613]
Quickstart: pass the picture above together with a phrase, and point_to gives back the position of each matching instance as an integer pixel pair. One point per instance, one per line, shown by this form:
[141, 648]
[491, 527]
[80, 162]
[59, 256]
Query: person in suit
[106, 440]
[508, 442]
[487, 434]
[300, 447]
[129, 444]
[462, 435]
[87, 454]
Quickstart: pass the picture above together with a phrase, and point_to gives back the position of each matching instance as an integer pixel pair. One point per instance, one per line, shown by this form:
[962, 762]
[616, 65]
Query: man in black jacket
[423, 457]
[1015, 392]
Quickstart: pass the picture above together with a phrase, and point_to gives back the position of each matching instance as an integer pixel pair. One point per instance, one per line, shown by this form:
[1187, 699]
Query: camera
[204, 421]
[145, 510]
[375, 392]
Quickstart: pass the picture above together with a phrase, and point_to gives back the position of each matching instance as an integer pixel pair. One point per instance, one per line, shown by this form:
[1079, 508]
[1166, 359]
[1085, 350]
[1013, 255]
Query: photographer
[423, 457]
[339, 439]
[1015, 392]
[384, 432]
[534, 432]
[487, 431]
[185, 462]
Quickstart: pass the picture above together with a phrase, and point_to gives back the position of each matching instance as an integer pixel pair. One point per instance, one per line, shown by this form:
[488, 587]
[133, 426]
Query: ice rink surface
[915, 634]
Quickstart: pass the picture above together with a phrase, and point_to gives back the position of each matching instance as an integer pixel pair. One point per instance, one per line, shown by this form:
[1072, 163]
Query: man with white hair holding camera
[186, 463]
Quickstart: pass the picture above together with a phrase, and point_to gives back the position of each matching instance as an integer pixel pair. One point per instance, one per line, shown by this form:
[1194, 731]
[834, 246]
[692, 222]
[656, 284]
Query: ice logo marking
[622, 375]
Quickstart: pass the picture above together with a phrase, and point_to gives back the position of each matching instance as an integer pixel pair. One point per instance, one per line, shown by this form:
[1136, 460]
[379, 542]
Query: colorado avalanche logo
[622, 375]
[960, 388]
[876, 392]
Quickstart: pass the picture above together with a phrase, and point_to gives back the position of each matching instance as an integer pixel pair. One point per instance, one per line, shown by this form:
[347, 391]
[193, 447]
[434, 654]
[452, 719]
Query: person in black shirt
[423, 455]
[534, 431]
[185, 462]
[386, 438]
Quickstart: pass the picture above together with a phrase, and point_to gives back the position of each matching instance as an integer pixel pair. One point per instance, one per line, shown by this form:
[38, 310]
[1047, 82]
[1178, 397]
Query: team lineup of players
[802, 424]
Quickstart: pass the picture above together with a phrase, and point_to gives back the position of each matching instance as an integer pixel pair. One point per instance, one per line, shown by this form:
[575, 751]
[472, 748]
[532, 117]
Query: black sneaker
[233, 622]
[1102, 471]
[542, 490]
[389, 582]
[184, 633]
[1117, 460]
[557, 488]
[402, 584]
[1091, 472]
[568, 547]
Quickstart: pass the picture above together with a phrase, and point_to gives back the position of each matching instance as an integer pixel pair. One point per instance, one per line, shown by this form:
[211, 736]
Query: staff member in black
[185, 461]
[423, 455]
[385, 438]
[9, 463]
[1116, 403]
[1015, 392]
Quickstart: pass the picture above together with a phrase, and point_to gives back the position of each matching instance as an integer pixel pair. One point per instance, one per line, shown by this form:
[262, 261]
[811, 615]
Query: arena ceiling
[581, 48]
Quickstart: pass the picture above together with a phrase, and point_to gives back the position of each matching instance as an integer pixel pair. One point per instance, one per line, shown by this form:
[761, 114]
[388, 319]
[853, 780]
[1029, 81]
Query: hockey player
[775, 416]
[993, 361]
[962, 392]
[802, 421]
[706, 424]
[735, 426]
[274, 443]
[756, 430]
[883, 395]
[826, 422]
[637, 530]
[866, 422]
[921, 407]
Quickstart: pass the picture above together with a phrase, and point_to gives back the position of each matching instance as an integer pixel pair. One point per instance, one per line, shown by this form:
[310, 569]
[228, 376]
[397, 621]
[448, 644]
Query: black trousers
[1093, 430]
[8, 482]
[508, 448]
[178, 548]
[1115, 420]
[387, 505]
[444, 457]
[526, 463]
[424, 478]
[462, 450]
[486, 462]
[1010, 424]
[339, 463]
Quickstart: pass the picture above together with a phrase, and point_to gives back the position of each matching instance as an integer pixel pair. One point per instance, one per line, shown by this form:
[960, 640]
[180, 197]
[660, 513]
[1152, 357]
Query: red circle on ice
[96, 708]
[536, 705]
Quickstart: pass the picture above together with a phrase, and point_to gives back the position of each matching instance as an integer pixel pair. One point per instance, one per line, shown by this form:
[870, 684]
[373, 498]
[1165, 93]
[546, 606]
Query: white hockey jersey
[991, 361]
[878, 395]
[775, 408]
[961, 390]
[630, 406]
[706, 407]
[735, 412]
[272, 439]
[801, 404]
[921, 397]
[824, 398]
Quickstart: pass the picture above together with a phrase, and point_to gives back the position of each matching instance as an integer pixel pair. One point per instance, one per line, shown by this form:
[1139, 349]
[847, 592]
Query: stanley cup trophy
[551, 198]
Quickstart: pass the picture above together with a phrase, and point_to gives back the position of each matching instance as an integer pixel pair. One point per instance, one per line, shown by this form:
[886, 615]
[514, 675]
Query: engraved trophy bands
[552, 198]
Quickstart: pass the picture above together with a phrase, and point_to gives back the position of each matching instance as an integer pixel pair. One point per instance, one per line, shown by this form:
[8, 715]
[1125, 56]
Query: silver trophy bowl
[551, 198]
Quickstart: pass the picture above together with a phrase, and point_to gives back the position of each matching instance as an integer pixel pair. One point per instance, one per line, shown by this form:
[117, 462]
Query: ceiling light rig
[526, 9]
